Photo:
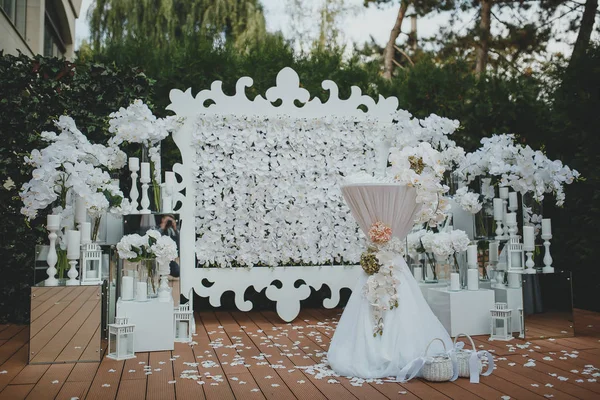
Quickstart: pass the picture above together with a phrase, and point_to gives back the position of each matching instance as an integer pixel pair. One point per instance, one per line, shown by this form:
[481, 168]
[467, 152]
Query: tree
[585, 31]
[240, 22]
[421, 7]
[485, 14]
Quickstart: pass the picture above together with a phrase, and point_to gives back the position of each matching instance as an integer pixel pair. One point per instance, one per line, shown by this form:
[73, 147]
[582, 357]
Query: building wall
[63, 14]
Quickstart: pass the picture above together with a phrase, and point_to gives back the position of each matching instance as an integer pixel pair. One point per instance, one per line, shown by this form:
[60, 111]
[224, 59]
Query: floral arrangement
[152, 245]
[421, 166]
[445, 244]
[468, 201]
[380, 233]
[519, 167]
[137, 124]
[70, 167]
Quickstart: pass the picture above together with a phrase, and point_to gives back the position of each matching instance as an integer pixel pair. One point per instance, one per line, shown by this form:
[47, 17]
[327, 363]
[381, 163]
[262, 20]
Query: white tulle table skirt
[408, 329]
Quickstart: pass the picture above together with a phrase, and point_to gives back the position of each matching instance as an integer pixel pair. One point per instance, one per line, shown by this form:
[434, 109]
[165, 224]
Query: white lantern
[183, 319]
[120, 339]
[91, 264]
[501, 322]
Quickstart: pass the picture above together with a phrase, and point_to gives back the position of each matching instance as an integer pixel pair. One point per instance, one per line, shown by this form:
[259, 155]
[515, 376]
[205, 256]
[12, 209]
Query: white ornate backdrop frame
[290, 290]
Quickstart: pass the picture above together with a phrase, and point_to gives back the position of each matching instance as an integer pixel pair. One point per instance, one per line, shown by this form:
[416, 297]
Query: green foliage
[34, 93]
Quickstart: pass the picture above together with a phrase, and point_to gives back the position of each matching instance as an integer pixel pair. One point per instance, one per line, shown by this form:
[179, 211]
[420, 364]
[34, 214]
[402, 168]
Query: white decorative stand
[72, 274]
[499, 229]
[73, 254]
[164, 291]
[53, 225]
[134, 167]
[121, 340]
[529, 264]
[501, 316]
[503, 192]
[548, 268]
[464, 311]
[145, 199]
[153, 323]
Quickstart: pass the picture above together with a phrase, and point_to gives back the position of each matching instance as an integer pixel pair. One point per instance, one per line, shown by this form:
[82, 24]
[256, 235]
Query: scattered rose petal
[274, 385]
[535, 385]
[106, 385]
[112, 370]
[549, 385]
[171, 382]
[54, 382]
[402, 392]
[255, 390]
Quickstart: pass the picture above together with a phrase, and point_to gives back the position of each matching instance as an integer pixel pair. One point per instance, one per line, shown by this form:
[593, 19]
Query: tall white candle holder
[548, 268]
[72, 274]
[53, 226]
[133, 193]
[529, 264]
[145, 199]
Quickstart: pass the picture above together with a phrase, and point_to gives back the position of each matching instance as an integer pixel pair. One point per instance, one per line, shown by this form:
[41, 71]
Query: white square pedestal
[463, 312]
[425, 287]
[514, 299]
[153, 321]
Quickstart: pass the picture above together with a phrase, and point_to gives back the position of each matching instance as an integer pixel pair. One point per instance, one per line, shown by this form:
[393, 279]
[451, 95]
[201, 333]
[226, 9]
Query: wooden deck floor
[254, 355]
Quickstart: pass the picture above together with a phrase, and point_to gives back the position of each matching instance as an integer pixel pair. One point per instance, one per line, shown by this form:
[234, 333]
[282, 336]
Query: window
[16, 10]
[54, 46]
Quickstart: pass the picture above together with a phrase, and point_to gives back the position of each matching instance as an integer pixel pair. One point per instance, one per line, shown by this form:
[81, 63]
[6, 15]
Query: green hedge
[34, 93]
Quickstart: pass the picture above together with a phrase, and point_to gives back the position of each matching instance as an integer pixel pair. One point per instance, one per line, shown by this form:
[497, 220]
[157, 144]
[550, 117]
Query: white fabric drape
[410, 327]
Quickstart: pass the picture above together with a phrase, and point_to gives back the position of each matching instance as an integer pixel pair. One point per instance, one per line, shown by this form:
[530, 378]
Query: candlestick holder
[52, 257]
[72, 274]
[529, 264]
[145, 199]
[506, 233]
[548, 269]
[133, 193]
[499, 230]
[512, 229]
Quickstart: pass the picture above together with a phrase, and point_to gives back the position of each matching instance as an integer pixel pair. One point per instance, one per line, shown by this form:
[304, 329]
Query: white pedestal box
[425, 287]
[464, 311]
[153, 321]
[514, 299]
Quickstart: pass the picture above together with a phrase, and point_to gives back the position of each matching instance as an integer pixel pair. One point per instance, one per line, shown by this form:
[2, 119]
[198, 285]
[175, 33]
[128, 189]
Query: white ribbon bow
[474, 360]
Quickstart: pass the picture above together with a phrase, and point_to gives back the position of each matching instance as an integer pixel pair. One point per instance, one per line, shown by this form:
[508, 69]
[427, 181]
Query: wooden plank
[134, 367]
[249, 349]
[13, 366]
[41, 303]
[83, 372]
[185, 360]
[4, 326]
[51, 382]
[11, 331]
[15, 392]
[158, 386]
[56, 348]
[74, 389]
[106, 382]
[13, 345]
[133, 389]
[87, 334]
[30, 374]
[93, 351]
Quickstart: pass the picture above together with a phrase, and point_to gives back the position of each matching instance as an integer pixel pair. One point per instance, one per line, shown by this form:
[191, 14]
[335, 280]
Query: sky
[358, 27]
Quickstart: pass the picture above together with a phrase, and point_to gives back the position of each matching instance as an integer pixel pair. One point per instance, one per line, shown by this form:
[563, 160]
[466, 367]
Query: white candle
[166, 203]
[127, 288]
[511, 218]
[73, 244]
[473, 279]
[86, 232]
[53, 222]
[182, 329]
[472, 254]
[122, 349]
[546, 227]
[498, 209]
[80, 210]
[529, 237]
[493, 251]
[170, 180]
[134, 164]
[418, 273]
[145, 170]
[514, 280]
[454, 281]
[504, 193]
[141, 291]
[513, 201]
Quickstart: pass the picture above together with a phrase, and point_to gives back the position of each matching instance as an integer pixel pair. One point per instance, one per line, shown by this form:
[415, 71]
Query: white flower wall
[267, 188]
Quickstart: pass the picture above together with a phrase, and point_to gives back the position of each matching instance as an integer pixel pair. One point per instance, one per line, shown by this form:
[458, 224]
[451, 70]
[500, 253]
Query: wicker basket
[463, 356]
[439, 367]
